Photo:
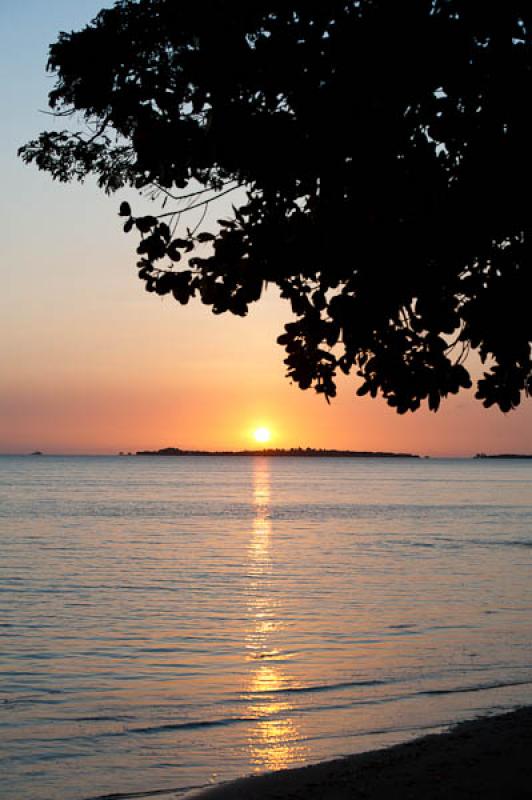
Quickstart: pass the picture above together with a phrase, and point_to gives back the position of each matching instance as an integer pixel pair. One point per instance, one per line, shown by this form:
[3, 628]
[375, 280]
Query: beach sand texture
[488, 758]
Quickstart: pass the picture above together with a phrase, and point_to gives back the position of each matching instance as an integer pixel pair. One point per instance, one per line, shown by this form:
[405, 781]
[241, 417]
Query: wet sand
[489, 758]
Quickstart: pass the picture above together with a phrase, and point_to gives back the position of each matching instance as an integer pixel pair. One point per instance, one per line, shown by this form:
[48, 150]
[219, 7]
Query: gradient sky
[90, 363]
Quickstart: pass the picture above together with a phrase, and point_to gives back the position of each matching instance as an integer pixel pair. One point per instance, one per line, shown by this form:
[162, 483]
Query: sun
[262, 435]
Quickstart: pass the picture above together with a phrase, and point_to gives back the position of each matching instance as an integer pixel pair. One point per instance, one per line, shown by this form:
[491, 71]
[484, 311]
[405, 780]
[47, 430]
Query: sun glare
[262, 435]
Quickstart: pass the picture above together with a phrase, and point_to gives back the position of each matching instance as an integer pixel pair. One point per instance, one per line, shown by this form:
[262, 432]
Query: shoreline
[488, 757]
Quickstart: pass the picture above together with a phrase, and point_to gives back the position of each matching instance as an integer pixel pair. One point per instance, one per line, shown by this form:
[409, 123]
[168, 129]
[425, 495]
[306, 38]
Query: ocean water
[166, 623]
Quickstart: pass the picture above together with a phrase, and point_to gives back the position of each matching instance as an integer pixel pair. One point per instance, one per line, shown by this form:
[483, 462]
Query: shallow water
[168, 622]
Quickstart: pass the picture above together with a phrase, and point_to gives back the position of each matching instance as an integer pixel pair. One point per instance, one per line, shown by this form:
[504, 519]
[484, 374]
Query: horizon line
[266, 451]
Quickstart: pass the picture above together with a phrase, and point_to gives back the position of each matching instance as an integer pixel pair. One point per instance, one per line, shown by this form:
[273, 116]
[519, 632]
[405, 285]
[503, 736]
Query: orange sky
[91, 363]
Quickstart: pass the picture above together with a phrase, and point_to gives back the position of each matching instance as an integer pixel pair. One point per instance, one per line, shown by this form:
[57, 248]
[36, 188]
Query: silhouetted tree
[381, 153]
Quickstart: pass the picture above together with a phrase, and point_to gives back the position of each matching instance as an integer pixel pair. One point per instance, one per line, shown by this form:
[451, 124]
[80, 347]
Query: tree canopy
[381, 152]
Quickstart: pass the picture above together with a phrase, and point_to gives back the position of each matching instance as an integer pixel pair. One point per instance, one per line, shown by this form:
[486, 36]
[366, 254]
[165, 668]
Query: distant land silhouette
[307, 452]
[504, 455]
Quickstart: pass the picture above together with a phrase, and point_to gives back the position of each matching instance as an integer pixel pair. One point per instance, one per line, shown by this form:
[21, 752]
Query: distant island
[305, 452]
[504, 455]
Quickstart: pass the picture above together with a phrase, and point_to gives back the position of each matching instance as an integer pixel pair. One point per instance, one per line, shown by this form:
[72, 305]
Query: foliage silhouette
[382, 156]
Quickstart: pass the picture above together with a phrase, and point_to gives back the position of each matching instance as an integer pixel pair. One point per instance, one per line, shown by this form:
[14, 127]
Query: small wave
[25, 698]
[320, 511]
[146, 730]
[325, 687]
[481, 687]
[180, 726]
[102, 718]
[176, 790]
[271, 655]
[512, 543]
[39, 696]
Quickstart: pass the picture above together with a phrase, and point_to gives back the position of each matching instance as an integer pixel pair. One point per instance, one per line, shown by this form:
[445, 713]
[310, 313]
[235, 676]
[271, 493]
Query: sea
[167, 623]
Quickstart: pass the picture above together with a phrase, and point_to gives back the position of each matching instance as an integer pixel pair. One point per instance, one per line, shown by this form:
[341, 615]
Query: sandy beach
[489, 758]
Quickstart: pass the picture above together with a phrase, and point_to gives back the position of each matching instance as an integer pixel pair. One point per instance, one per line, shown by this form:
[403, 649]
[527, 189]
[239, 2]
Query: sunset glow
[262, 435]
[81, 375]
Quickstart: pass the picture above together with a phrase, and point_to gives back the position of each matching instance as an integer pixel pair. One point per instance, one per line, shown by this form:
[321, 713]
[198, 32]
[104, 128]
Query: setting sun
[262, 435]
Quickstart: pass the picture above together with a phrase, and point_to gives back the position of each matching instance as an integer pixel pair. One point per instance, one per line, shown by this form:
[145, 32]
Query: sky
[91, 363]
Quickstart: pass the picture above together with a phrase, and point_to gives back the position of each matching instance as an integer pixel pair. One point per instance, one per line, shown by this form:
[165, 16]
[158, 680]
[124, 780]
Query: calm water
[165, 623]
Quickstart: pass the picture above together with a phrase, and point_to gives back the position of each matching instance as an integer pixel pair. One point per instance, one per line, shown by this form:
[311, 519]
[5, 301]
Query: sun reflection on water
[275, 738]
